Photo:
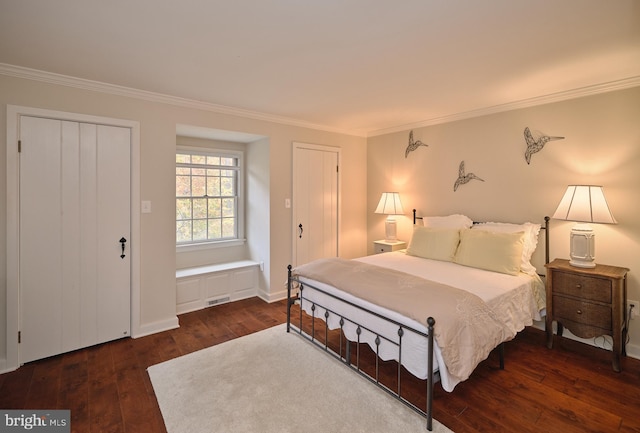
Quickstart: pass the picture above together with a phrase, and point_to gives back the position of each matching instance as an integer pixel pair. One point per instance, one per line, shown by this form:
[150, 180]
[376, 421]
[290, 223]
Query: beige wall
[602, 147]
[157, 148]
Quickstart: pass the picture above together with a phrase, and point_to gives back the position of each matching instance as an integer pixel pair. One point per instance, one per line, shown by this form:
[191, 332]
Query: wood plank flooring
[571, 388]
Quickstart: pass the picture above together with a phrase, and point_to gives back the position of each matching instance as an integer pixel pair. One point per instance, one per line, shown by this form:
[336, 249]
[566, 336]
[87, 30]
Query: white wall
[157, 172]
[258, 210]
[602, 147]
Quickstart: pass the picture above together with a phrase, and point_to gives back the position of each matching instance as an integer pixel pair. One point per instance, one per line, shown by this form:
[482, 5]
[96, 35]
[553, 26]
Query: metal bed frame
[345, 356]
[344, 353]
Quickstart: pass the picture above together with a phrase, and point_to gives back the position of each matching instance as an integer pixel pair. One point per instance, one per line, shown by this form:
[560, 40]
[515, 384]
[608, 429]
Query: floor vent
[217, 301]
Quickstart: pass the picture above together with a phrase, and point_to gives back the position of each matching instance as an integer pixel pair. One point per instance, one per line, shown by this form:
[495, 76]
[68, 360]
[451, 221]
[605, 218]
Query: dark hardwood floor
[571, 388]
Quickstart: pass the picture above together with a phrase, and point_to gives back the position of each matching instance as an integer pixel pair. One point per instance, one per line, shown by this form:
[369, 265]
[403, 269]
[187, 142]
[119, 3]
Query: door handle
[122, 242]
[300, 231]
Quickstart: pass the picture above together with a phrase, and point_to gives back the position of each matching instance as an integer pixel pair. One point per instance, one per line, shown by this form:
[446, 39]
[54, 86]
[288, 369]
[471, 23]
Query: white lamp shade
[390, 204]
[584, 203]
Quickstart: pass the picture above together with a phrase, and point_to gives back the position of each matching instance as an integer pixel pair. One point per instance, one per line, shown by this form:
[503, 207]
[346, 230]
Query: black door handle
[300, 229]
[122, 241]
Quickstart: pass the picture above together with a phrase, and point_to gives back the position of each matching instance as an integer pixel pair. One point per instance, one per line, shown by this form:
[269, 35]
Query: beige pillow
[531, 232]
[498, 252]
[434, 243]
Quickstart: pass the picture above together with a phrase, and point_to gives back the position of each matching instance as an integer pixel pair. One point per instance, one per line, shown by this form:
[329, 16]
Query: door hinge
[19, 146]
[19, 337]
[337, 169]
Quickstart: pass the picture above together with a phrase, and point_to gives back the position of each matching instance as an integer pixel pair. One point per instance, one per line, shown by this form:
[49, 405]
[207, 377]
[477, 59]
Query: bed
[460, 290]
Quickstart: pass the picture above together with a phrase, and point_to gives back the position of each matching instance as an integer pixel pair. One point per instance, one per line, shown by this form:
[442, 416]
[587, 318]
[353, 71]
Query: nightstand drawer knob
[579, 311]
[578, 286]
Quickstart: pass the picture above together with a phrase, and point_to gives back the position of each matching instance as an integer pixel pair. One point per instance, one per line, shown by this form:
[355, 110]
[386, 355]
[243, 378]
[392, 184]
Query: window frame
[240, 198]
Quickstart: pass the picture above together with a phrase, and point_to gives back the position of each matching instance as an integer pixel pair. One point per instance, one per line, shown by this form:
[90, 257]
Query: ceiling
[362, 67]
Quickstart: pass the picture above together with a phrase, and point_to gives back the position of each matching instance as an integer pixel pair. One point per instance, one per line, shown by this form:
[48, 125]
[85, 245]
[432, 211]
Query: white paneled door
[315, 200]
[74, 238]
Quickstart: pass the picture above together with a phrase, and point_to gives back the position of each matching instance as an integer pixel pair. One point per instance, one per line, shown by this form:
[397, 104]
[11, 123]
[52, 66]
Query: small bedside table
[589, 302]
[388, 246]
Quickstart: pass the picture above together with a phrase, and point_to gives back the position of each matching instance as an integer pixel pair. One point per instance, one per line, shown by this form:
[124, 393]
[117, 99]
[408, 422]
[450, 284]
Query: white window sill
[210, 245]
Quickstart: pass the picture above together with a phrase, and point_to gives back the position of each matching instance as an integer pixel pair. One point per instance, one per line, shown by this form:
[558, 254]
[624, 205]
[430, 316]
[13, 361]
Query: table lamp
[390, 205]
[584, 204]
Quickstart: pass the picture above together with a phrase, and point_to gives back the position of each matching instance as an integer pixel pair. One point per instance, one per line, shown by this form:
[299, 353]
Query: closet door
[74, 211]
[315, 200]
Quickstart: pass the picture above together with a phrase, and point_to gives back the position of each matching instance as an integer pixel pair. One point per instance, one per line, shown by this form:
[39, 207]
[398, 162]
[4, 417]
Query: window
[208, 196]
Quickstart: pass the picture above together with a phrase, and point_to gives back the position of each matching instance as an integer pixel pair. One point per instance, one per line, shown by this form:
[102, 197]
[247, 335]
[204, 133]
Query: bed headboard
[544, 227]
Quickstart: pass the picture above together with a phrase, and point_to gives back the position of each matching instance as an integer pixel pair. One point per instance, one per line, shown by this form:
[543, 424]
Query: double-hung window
[208, 196]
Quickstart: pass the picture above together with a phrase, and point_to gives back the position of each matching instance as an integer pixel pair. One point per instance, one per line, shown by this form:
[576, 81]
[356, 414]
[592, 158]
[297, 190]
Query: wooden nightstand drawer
[584, 287]
[582, 312]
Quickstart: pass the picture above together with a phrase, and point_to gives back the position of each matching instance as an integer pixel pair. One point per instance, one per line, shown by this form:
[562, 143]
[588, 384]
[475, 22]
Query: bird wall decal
[534, 146]
[464, 178]
[413, 145]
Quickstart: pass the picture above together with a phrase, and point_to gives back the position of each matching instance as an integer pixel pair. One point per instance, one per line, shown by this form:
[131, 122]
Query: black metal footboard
[345, 355]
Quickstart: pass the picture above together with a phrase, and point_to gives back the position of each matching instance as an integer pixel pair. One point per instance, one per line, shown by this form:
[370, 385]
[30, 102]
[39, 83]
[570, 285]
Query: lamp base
[390, 230]
[580, 264]
[583, 246]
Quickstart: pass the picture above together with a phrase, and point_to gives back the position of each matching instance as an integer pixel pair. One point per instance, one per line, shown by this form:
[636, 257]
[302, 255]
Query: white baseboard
[272, 297]
[604, 342]
[4, 368]
[159, 326]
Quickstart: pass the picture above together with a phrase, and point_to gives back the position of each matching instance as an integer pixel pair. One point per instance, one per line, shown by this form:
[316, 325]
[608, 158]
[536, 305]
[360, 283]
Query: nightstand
[589, 302]
[388, 246]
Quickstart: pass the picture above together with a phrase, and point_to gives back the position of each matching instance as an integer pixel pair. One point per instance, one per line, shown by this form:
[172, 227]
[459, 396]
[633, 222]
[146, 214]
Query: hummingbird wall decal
[464, 178]
[413, 145]
[534, 146]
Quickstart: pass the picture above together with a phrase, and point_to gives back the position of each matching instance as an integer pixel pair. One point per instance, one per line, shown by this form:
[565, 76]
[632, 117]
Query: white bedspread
[517, 299]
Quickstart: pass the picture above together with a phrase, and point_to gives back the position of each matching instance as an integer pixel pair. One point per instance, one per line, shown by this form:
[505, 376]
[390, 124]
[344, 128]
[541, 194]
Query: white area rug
[274, 382]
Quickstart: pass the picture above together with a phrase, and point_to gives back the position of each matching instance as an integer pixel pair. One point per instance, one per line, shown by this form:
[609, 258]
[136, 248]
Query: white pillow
[498, 252]
[531, 232]
[434, 243]
[455, 221]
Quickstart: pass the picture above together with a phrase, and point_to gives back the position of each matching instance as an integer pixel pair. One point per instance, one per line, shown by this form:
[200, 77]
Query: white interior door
[74, 200]
[315, 200]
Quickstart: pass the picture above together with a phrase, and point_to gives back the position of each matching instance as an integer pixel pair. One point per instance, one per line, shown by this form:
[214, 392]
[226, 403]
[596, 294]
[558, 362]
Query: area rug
[274, 382]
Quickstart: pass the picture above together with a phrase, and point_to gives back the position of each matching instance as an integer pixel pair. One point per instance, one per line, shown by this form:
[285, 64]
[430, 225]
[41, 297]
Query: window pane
[213, 160]
[199, 208]
[183, 208]
[198, 159]
[228, 161]
[183, 158]
[183, 170]
[228, 228]
[183, 186]
[199, 230]
[215, 208]
[183, 231]
[228, 207]
[213, 186]
[198, 186]
[215, 228]
[227, 186]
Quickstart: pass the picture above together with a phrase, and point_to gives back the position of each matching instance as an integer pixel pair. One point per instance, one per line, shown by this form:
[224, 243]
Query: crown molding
[97, 86]
[596, 89]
